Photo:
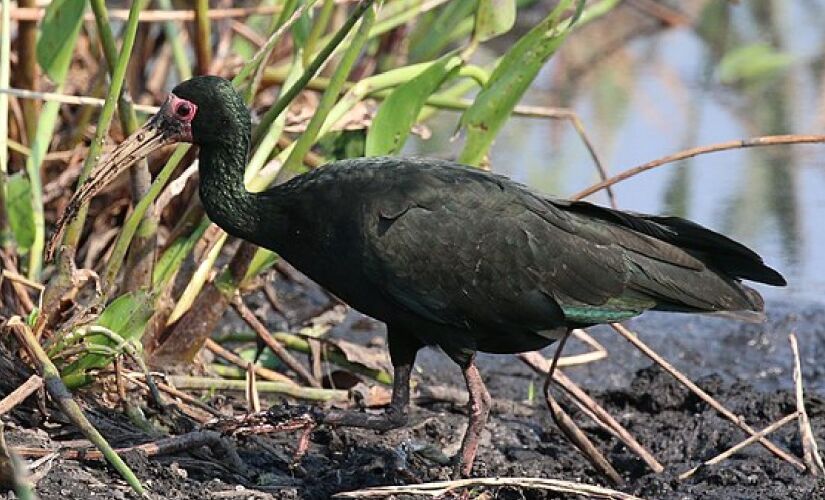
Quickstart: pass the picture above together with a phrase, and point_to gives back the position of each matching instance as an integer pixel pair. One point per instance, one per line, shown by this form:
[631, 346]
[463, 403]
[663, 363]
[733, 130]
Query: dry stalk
[730, 451]
[253, 400]
[19, 290]
[593, 409]
[236, 360]
[138, 378]
[154, 16]
[668, 15]
[600, 168]
[768, 140]
[17, 396]
[275, 346]
[248, 33]
[442, 488]
[288, 389]
[166, 446]
[739, 421]
[569, 428]
[810, 450]
[27, 73]
[71, 99]
[598, 352]
[12, 275]
[580, 439]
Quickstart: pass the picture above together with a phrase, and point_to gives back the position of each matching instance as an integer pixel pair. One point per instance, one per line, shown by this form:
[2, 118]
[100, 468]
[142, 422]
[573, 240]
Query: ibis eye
[184, 110]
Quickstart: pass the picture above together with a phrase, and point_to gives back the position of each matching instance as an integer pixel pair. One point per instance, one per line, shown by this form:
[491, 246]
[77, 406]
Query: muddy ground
[747, 367]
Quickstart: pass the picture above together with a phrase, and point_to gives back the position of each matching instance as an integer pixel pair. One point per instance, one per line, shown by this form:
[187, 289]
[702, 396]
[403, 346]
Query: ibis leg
[394, 416]
[403, 350]
[479, 407]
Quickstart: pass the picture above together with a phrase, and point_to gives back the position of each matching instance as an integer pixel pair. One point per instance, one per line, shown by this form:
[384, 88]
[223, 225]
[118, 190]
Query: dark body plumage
[457, 257]
[469, 260]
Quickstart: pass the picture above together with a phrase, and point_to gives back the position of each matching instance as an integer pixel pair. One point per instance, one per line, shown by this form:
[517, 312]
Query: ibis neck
[222, 190]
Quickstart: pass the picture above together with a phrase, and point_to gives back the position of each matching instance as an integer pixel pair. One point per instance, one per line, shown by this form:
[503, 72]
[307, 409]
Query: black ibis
[445, 254]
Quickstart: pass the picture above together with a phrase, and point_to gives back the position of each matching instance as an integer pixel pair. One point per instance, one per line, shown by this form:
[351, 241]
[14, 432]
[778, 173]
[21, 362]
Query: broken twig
[274, 346]
[599, 415]
[440, 488]
[704, 396]
[770, 140]
[810, 450]
[730, 451]
[18, 395]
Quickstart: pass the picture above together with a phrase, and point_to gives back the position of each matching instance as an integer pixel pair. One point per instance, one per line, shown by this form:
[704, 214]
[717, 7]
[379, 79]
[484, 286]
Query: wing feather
[471, 249]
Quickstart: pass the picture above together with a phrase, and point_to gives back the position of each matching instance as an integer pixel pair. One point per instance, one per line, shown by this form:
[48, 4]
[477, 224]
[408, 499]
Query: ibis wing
[469, 248]
[492, 255]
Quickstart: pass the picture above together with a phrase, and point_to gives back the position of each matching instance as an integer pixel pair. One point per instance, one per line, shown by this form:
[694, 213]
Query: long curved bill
[146, 139]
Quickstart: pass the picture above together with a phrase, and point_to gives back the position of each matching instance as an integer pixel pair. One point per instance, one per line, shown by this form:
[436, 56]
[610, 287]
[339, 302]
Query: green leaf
[58, 32]
[261, 261]
[398, 113]
[126, 316]
[31, 319]
[434, 32]
[340, 144]
[301, 29]
[511, 78]
[58, 36]
[20, 211]
[493, 18]
[752, 63]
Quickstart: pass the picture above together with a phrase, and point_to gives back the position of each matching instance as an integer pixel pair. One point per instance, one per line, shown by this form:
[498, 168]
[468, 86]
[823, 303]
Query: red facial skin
[182, 112]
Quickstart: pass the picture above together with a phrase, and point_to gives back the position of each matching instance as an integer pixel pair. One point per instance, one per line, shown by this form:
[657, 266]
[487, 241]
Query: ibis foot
[394, 416]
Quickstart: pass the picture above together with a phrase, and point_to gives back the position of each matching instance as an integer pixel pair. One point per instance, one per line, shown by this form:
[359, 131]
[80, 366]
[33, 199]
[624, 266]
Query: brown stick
[166, 446]
[580, 439]
[13, 275]
[17, 396]
[598, 352]
[540, 364]
[650, 353]
[19, 290]
[730, 451]
[569, 428]
[442, 488]
[275, 346]
[768, 140]
[253, 399]
[810, 450]
[238, 361]
[189, 405]
[70, 99]
[600, 168]
[153, 16]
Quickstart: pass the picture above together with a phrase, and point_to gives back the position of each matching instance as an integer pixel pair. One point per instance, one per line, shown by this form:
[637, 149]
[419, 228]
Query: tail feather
[715, 289]
[717, 251]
